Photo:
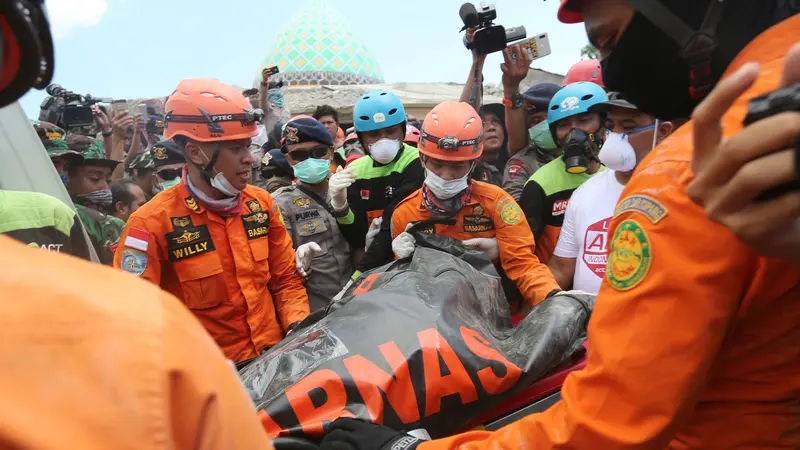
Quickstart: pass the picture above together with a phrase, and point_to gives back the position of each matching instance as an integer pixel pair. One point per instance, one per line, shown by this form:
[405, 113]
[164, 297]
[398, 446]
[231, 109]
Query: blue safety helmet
[574, 99]
[376, 110]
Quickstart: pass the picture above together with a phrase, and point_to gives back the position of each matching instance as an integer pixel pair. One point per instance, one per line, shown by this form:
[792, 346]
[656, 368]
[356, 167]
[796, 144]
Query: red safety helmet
[567, 13]
[412, 135]
[452, 131]
[207, 110]
[587, 70]
[352, 137]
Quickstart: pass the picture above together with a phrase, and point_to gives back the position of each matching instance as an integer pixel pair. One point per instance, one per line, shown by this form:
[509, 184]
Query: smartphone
[141, 108]
[119, 106]
[272, 70]
[537, 46]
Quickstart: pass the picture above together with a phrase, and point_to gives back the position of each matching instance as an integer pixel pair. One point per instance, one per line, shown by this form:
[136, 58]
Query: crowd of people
[253, 218]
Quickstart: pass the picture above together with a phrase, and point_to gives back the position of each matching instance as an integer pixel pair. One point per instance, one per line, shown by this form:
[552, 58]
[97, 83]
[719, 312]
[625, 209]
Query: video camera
[68, 110]
[489, 38]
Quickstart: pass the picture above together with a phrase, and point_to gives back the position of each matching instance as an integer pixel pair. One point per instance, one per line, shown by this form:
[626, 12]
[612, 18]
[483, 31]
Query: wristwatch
[515, 102]
[108, 133]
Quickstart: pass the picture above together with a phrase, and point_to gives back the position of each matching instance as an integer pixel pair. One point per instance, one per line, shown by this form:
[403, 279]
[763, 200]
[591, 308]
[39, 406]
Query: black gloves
[354, 434]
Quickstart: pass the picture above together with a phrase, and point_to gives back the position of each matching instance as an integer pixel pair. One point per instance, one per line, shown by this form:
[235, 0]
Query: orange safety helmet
[207, 110]
[452, 131]
[587, 70]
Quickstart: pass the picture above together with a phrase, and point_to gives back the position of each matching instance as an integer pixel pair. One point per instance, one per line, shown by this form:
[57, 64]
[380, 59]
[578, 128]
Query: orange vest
[695, 340]
[236, 274]
[491, 213]
[96, 359]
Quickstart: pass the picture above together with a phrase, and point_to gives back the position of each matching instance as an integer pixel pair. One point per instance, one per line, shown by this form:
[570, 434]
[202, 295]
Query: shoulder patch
[137, 239]
[302, 202]
[191, 203]
[629, 257]
[511, 214]
[134, 261]
[181, 222]
[254, 206]
[650, 207]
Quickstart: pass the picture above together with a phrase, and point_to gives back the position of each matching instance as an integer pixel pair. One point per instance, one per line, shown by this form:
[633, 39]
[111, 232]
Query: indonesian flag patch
[137, 239]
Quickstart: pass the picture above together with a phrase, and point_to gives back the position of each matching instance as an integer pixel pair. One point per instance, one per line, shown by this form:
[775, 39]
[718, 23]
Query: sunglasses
[301, 155]
[169, 174]
[271, 172]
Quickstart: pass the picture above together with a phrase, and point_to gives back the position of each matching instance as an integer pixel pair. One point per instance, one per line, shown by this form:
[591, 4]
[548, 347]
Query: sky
[143, 48]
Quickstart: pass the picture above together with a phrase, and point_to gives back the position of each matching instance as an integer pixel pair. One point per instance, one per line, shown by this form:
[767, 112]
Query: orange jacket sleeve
[654, 333]
[285, 284]
[207, 404]
[152, 264]
[515, 240]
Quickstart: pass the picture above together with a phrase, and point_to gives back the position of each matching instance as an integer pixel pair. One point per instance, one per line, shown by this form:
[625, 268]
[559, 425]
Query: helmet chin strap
[207, 171]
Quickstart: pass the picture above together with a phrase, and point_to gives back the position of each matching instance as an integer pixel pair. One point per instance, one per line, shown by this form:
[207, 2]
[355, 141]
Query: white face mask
[385, 150]
[221, 183]
[445, 189]
[617, 153]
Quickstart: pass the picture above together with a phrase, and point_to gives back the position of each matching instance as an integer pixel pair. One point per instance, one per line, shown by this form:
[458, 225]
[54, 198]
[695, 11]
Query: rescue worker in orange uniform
[694, 338]
[486, 217]
[124, 376]
[214, 241]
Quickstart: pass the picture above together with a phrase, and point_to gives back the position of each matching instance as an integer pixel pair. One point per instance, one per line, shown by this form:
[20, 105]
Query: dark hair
[325, 110]
[121, 192]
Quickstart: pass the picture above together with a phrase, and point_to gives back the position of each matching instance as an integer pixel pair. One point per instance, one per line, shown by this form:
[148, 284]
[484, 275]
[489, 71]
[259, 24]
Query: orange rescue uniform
[695, 340]
[235, 273]
[94, 358]
[491, 213]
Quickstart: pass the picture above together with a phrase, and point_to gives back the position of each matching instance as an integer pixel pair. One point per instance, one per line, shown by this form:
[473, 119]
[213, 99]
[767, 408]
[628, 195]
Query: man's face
[624, 120]
[88, 178]
[588, 122]
[234, 160]
[123, 212]
[60, 163]
[145, 178]
[493, 133]
[330, 124]
[606, 21]
[394, 133]
[448, 170]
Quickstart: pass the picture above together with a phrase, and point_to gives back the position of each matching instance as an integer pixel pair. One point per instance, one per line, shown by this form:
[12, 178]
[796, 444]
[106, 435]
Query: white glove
[374, 228]
[337, 187]
[403, 245]
[303, 256]
[487, 245]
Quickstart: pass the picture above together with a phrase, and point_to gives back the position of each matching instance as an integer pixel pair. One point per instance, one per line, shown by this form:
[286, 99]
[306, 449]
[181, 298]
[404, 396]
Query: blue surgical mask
[312, 170]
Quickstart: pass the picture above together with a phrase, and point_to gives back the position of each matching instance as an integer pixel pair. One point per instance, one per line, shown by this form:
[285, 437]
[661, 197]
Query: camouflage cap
[92, 150]
[53, 139]
[143, 160]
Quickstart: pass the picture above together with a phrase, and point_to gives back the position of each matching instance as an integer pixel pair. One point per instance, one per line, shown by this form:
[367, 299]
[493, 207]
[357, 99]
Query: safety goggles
[301, 155]
[169, 174]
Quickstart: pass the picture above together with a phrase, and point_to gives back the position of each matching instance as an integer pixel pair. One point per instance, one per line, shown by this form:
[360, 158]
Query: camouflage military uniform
[143, 160]
[103, 229]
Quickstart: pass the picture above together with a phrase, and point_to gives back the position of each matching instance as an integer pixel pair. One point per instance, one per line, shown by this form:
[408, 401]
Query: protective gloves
[303, 256]
[403, 245]
[354, 434]
[487, 245]
[337, 187]
[374, 229]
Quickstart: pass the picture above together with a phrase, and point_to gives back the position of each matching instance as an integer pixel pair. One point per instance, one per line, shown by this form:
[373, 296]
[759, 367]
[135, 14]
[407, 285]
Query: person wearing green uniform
[370, 187]
[88, 186]
[141, 171]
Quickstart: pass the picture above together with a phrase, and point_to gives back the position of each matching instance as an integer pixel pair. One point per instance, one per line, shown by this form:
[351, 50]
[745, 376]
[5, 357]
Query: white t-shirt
[584, 234]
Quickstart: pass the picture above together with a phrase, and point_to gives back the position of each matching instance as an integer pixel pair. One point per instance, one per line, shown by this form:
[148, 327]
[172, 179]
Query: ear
[119, 207]
[664, 130]
[195, 154]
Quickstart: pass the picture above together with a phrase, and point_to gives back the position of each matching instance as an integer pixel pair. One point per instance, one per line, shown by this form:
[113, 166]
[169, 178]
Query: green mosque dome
[317, 47]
